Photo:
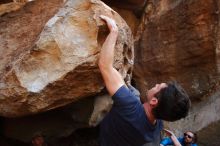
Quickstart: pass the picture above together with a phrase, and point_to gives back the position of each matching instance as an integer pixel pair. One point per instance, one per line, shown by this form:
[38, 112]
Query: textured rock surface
[102, 106]
[126, 4]
[59, 66]
[10, 7]
[179, 43]
[210, 135]
[130, 18]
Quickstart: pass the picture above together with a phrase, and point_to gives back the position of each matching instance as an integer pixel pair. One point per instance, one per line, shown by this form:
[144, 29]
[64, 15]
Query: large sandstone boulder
[44, 68]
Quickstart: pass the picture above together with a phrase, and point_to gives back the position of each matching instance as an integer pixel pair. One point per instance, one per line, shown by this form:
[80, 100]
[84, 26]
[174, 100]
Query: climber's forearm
[112, 78]
[107, 51]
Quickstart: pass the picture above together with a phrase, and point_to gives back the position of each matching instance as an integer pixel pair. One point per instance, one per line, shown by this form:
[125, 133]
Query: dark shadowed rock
[126, 4]
[54, 124]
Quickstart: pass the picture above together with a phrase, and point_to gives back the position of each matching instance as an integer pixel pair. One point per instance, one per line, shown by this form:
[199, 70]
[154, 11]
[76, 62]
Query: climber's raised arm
[112, 78]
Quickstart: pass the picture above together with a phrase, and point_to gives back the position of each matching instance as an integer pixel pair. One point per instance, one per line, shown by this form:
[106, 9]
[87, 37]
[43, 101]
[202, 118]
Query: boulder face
[45, 68]
[178, 42]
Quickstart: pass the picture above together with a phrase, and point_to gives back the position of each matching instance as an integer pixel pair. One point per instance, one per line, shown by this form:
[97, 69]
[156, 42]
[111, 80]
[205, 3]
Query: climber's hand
[110, 23]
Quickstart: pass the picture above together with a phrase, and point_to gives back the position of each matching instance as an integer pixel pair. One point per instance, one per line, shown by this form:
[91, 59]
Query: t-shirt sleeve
[124, 97]
[126, 103]
[134, 90]
[166, 141]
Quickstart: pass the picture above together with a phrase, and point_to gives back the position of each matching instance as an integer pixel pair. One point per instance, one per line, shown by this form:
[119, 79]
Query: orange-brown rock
[10, 7]
[179, 43]
[44, 68]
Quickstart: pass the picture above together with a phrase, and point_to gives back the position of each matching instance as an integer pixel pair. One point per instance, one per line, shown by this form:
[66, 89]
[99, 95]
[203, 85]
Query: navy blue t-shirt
[127, 124]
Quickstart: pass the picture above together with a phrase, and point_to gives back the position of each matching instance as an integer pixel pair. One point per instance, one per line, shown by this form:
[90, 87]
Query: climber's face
[156, 89]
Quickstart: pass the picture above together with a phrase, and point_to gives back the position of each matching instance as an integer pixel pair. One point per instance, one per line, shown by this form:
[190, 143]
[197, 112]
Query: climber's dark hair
[173, 103]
